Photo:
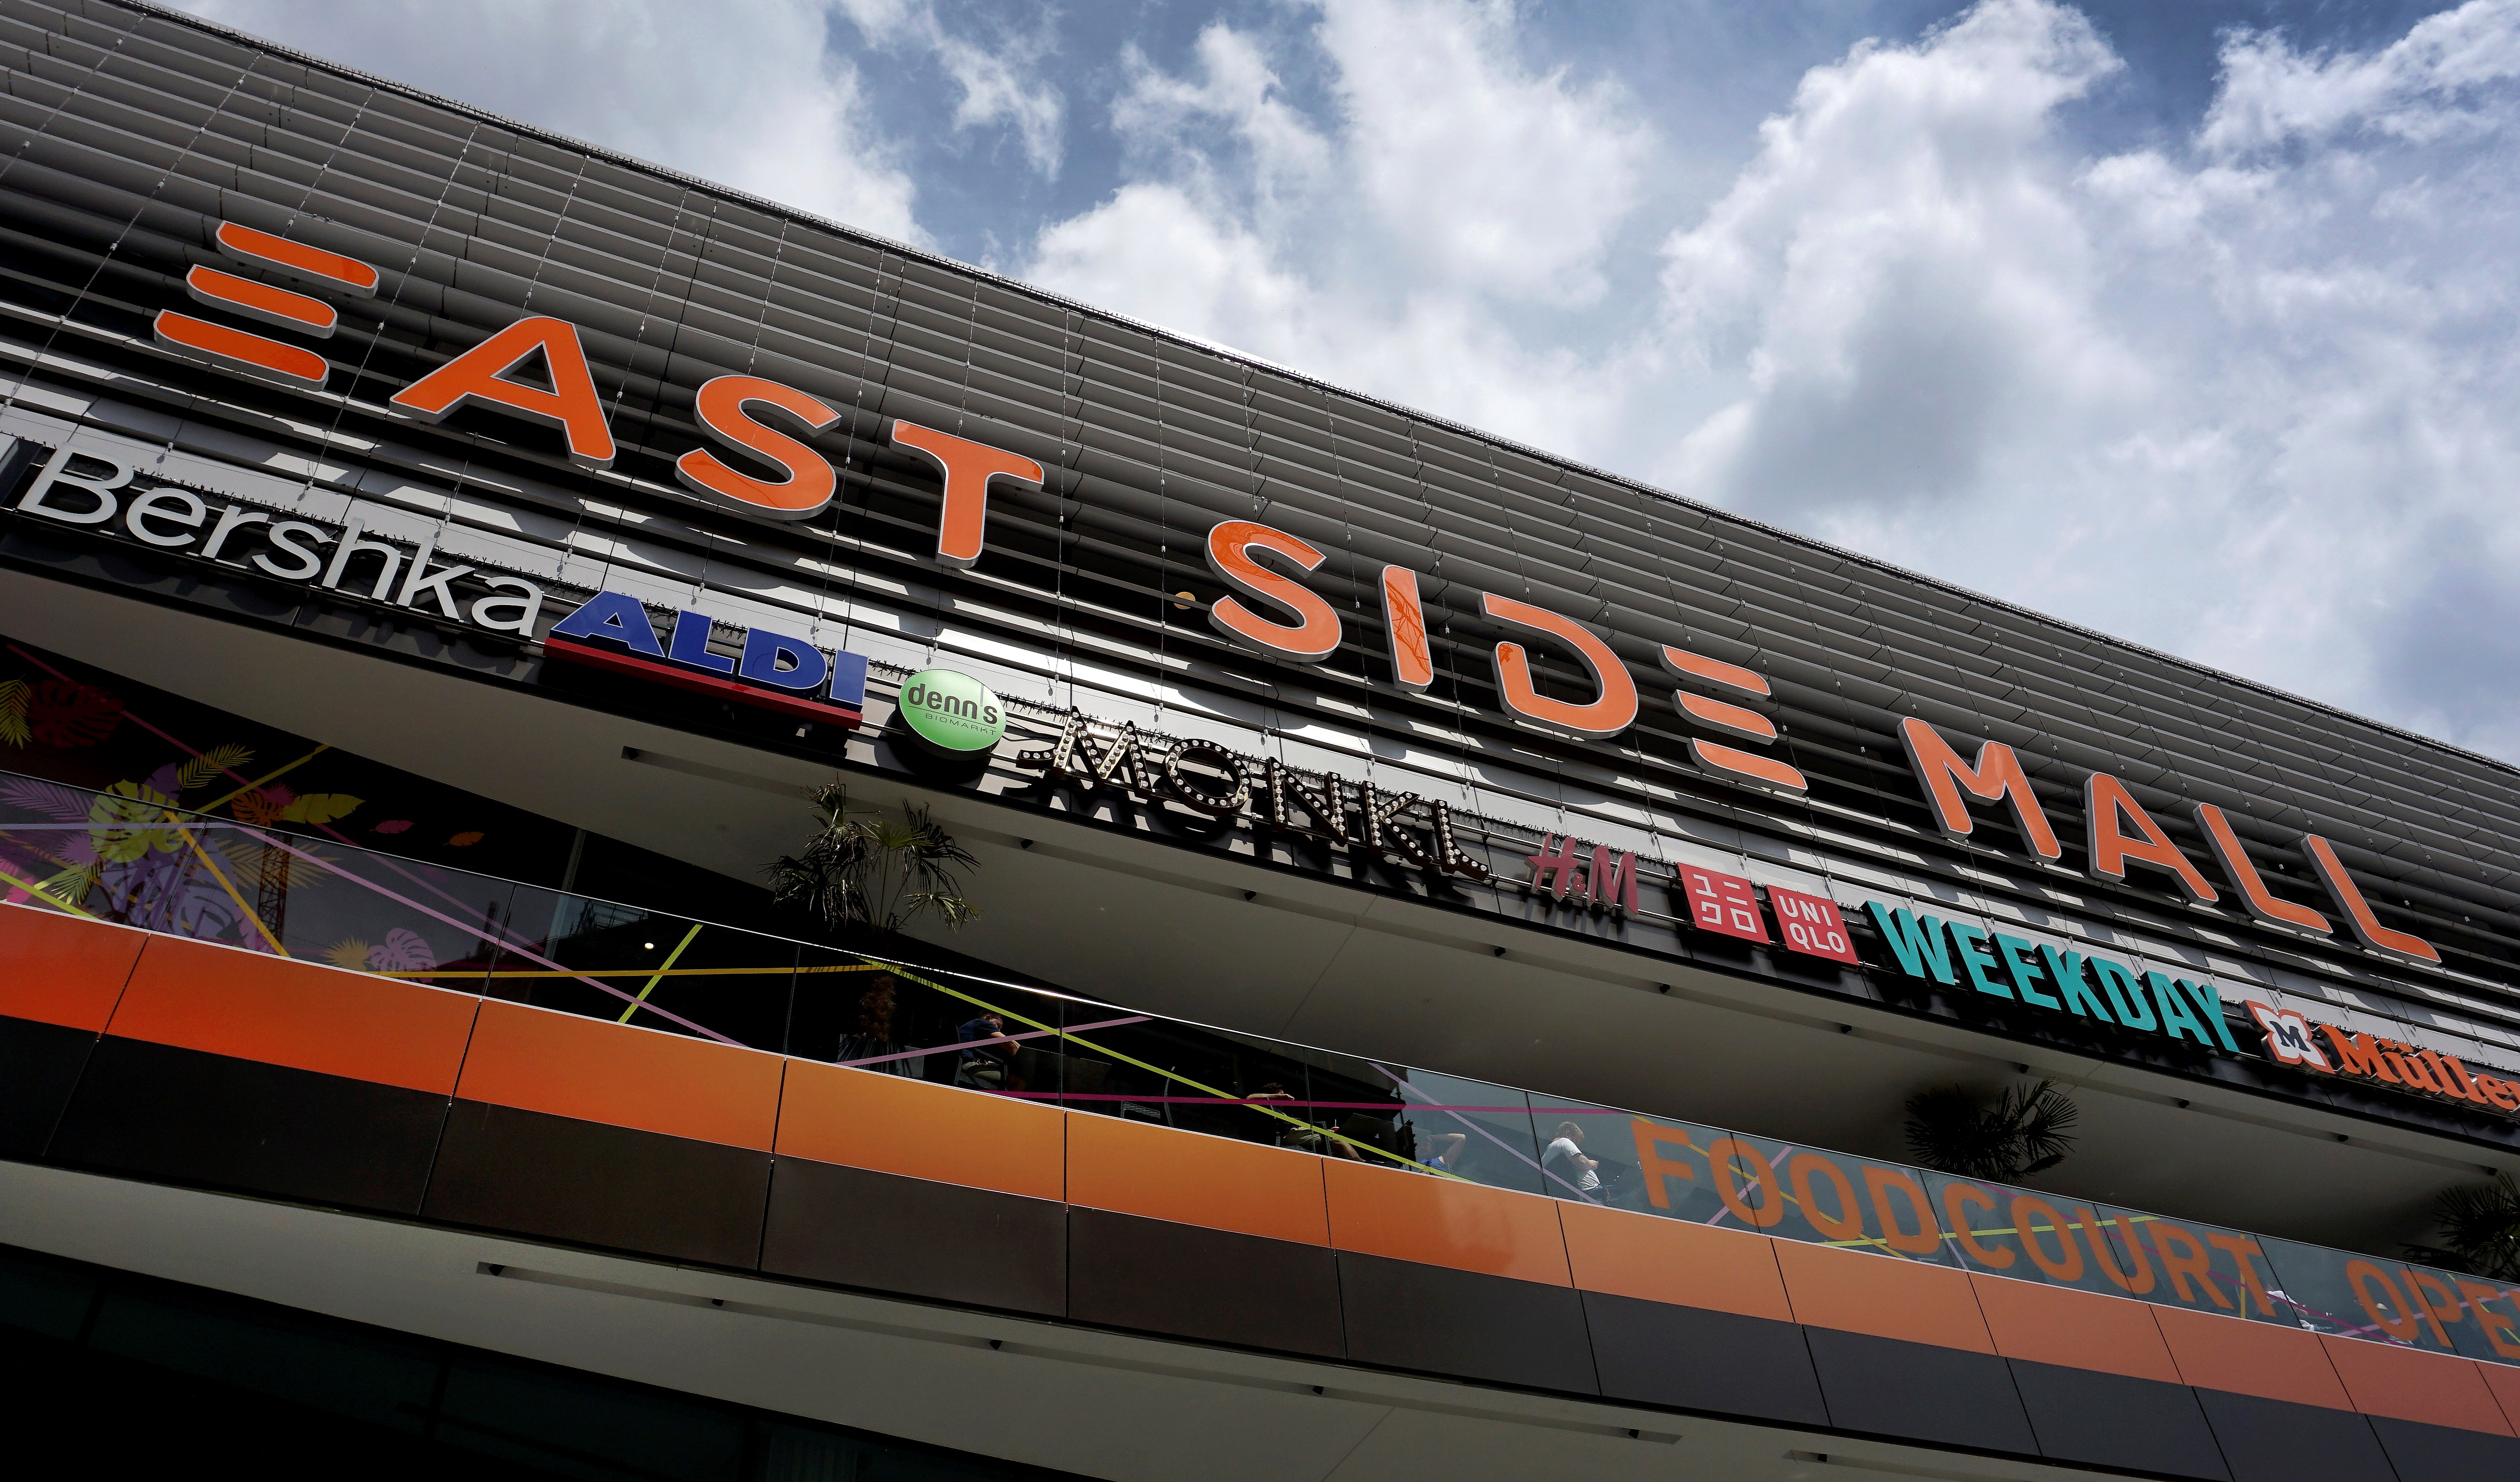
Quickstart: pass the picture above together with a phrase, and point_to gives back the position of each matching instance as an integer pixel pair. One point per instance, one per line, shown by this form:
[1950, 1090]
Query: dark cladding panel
[39, 1066]
[2091, 1418]
[1692, 1359]
[1942, 1396]
[2427, 1452]
[189, 1118]
[1463, 1323]
[854, 1226]
[1211, 1286]
[595, 1184]
[2281, 1441]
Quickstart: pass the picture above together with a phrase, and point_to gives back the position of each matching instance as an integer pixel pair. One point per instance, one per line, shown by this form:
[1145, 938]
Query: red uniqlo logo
[1724, 903]
[1812, 923]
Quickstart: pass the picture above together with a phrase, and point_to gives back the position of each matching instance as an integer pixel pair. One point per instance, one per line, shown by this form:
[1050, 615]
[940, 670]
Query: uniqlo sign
[1812, 923]
[1725, 902]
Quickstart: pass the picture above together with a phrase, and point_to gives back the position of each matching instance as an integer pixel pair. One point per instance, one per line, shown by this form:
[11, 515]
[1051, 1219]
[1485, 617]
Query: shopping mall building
[1457, 930]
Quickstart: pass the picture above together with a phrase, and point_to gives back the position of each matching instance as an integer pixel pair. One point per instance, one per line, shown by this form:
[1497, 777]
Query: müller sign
[1268, 608]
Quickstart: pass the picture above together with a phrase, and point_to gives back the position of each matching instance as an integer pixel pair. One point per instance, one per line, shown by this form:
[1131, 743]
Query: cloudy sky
[2192, 321]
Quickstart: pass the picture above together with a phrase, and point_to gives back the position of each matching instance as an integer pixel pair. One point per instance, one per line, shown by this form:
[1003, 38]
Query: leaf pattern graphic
[402, 951]
[465, 839]
[263, 807]
[130, 803]
[13, 694]
[50, 801]
[166, 892]
[321, 807]
[64, 712]
[349, 952]
[207, 767]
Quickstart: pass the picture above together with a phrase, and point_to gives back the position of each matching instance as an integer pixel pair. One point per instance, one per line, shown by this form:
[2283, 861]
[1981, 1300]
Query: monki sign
[1269, 609]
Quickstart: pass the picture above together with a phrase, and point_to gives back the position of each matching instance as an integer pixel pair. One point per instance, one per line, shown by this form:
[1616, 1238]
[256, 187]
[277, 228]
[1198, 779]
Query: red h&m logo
[1598, 881]
[233, 349]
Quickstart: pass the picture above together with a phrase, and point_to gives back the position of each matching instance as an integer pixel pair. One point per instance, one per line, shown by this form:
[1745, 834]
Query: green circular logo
[952, 711]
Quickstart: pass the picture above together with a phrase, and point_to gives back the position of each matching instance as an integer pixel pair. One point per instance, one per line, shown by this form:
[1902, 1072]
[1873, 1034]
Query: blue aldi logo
[774, 672]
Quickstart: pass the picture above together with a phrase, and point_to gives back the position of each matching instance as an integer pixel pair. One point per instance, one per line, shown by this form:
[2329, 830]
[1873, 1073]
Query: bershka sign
[1266, 609]
[96, 491]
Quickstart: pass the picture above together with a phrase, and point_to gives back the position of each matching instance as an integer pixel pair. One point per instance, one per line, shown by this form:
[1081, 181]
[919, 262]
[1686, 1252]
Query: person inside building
[872, 1039]
[988, 1055]
[1309, 1138]
[1564, 1160]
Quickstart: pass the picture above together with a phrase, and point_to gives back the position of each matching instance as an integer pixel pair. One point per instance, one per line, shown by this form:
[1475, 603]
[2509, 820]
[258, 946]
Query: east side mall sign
[1268, 610]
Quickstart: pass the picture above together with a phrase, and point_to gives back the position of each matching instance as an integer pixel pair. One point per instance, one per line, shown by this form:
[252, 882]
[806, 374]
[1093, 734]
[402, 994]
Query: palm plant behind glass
[2480, 1225]
[2028, 1130]
[864, 870]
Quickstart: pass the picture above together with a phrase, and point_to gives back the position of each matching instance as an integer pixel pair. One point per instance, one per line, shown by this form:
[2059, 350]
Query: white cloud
[1900, 275]
[998, 85]
[2421, 87]
[745, 93]
[2242, 403]
[1388, 244]
[1482, 172]
[2244, 399]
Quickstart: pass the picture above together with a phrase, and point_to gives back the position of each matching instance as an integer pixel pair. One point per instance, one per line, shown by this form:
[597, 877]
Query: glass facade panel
[1654, 1165]
[2201, 1267]
[1832, 1198]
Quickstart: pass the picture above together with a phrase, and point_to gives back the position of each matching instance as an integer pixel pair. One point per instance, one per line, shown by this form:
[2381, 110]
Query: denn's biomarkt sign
[1268, 610]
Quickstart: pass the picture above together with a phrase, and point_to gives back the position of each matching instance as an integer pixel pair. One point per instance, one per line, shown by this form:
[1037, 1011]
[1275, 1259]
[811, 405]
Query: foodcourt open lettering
[1706, 1176]
[1268, 609]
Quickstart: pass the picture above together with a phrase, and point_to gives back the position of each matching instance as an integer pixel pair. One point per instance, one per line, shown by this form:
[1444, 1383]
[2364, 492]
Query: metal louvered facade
[126, 135]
